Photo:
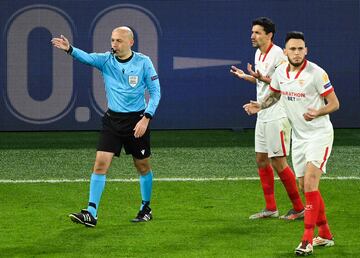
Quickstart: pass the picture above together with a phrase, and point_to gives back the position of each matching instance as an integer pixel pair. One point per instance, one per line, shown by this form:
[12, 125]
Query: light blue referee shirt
[125, 83]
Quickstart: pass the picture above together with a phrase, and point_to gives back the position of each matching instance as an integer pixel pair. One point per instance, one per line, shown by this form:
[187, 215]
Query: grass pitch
[191, 219]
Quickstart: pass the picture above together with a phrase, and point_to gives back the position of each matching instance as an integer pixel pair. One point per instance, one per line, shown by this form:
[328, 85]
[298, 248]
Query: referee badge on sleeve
[133, 80]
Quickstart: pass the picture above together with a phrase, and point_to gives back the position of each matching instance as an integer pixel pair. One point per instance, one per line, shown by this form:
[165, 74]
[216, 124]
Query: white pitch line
[175, 179]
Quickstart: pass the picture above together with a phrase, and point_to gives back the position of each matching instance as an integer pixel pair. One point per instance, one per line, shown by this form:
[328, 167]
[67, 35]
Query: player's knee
[279, 163]
[143, 169]
[262, 161]
[142, 166]
[101, 166]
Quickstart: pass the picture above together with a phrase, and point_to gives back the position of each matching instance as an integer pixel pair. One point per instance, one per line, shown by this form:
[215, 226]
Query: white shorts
[273, 137]
[315, 150]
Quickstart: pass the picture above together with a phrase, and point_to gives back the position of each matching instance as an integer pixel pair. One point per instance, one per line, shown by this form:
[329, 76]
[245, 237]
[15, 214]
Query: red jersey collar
[298, 73]
[267, 51]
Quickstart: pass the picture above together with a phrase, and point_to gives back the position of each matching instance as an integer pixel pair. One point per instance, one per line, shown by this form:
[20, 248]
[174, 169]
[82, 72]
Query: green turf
[192, 219]
[54, 155]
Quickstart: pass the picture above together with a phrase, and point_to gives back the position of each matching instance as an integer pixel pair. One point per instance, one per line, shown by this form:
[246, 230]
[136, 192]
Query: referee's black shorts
[118, 131]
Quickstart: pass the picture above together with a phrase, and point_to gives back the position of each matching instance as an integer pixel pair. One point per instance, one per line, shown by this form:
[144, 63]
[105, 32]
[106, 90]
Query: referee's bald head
[125, 29]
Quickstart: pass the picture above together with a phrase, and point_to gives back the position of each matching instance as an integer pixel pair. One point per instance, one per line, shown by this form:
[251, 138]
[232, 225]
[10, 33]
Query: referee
[127, 74]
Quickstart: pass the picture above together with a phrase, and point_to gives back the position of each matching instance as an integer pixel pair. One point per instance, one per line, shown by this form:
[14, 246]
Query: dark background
[193, 98]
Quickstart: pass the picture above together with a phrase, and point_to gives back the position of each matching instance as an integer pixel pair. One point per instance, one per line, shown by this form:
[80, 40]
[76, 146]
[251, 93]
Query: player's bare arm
[254, 107]
[241, 74]
[332, 104]
[270, 99]
[258, 75]
[61, 43]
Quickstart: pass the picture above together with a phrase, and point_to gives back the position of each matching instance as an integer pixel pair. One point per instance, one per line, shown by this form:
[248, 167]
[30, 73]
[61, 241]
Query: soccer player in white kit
[309, 98]
[272, 131]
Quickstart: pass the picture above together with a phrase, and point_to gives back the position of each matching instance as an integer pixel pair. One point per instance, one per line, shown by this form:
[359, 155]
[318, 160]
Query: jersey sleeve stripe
[328, 85]
[271, 88]
[324, 94]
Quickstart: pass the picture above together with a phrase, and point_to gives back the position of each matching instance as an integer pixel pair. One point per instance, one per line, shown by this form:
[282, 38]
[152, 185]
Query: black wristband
[70, 50]
[147, 115]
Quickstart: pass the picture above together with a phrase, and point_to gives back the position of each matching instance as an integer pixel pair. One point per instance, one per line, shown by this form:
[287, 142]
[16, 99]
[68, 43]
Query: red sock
[288, 179]
[267, 181]
[311, 214]
[321, 222]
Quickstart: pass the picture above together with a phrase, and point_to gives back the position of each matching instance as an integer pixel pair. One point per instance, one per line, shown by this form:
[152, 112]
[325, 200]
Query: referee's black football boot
[84, 217]
[144, 215]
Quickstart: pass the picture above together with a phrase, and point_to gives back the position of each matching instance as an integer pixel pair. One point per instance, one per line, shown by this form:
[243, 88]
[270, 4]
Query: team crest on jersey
[301, 82]
[133, 80]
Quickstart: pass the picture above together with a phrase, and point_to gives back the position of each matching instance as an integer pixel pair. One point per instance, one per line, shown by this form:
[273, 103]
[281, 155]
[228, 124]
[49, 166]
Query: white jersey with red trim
[266, 65]
[305, 89]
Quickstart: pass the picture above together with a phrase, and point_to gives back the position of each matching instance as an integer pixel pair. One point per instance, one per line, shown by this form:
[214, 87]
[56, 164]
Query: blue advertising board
[191, 43]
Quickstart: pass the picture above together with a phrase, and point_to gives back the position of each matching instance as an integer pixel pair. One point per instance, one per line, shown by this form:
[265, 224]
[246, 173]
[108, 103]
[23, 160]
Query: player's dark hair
[294, 35]
[266, 23]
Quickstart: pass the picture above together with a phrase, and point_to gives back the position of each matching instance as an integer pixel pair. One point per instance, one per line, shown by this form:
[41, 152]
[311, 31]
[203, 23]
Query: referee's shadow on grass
[71, 241]
[62, 244]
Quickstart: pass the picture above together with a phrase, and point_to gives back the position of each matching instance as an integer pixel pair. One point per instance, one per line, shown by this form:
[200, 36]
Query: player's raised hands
[238, 72]
[252, 108]
[61, 43]
[257, 74]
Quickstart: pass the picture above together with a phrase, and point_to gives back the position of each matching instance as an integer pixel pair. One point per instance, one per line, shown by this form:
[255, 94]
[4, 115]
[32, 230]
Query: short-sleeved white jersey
[266, 65]
[305, 89]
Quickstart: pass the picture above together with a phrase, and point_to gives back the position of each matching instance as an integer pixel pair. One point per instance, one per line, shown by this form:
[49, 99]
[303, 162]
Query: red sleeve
[324, 94]
[271, 88]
